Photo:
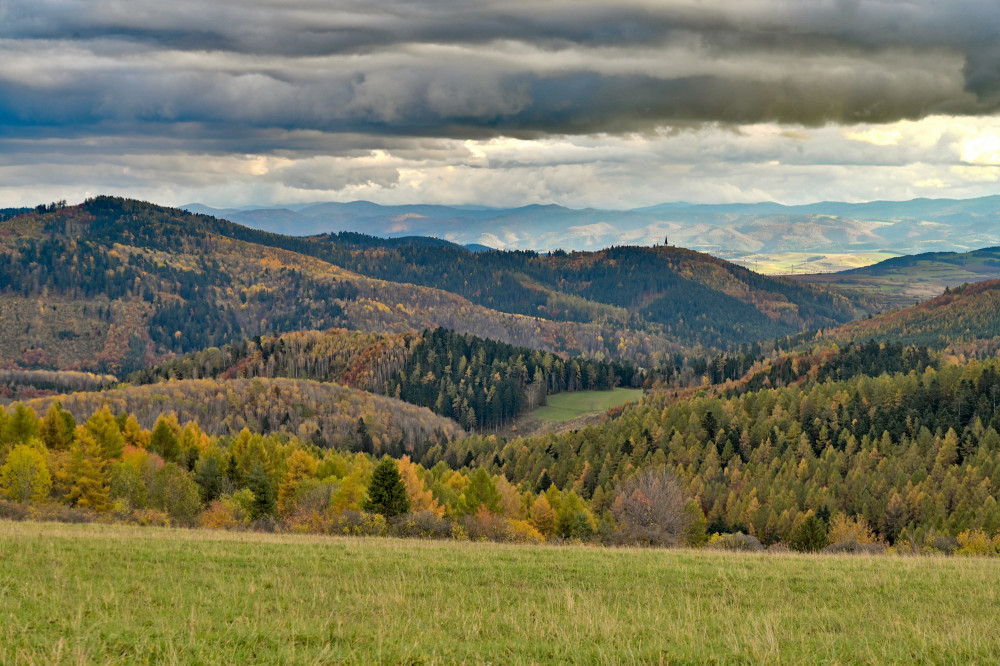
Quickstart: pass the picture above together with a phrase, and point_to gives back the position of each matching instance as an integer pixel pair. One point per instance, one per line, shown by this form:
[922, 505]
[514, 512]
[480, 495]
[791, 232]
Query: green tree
[811, 536]
[56, 429]
[21, 426]
[127, 485]
[164, 440]
[174, 491]
[103, 426]
[259, 483]
[386, 490]
[25, 476]
[482, 492]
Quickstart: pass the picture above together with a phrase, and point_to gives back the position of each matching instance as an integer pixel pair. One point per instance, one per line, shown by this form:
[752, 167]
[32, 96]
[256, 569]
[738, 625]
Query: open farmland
[114, 594]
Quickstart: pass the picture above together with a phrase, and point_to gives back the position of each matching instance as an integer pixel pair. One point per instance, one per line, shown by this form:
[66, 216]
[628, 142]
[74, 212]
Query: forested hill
[327, 415]
[115, 285]
[903, 281]
[478, 383]
[694, 296]
[966, 318]
[912, 455]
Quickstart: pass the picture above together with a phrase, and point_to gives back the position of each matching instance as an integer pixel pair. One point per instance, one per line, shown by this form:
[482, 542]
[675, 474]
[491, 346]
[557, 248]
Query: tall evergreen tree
[386, 490]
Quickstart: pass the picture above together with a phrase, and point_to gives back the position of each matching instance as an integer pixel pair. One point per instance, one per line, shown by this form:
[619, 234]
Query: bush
[738, 542]
[977, 543]
[151, 518]
[850, 547]
[14, 511]
[359, 523]
[486, 526]
[422, 525]
[60, 513]
[651, 509]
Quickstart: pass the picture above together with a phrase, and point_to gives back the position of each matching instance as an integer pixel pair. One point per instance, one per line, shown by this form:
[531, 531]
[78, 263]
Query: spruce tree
[264, 502]
[811, 536]
[386, 490]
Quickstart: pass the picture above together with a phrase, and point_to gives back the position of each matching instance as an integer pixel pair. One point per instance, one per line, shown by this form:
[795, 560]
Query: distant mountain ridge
[726, 230]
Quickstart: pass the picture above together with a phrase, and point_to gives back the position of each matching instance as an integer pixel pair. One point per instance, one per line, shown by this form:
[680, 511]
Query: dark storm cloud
[237, 71]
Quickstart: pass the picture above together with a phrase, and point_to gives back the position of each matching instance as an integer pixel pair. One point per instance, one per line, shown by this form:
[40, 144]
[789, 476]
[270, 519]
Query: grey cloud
[476, 69]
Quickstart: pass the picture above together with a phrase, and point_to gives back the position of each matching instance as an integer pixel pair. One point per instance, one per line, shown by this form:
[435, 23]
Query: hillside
[911, 454]
[902, 281]
[967, 317]
[694, 298]
[114, 285]
[479, 383]
[324, 414]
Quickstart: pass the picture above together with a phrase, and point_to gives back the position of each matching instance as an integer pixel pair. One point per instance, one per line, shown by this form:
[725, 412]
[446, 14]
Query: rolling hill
[113, 285]
[901, 281]
[322, 413]
[967, 317]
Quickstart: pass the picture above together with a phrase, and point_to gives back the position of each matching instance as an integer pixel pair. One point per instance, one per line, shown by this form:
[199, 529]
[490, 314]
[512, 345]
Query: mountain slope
[903, 280]
[325, 414]
[968, 314]
[114, 285]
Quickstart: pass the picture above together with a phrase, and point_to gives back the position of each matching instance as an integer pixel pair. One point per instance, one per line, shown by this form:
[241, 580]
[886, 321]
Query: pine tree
[811, 536]
[386, 490]
[164, 439]
[259, 483]
[54, 429]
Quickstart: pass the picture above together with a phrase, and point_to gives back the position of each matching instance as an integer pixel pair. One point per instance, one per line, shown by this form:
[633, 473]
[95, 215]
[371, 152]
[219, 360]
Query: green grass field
[568, 406]
[114, 594]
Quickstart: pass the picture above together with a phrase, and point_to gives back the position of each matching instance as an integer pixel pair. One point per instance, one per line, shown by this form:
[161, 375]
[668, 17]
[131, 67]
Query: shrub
[851, 547]
[421, 524]
[14, 511]
[844, 530]
[652, 509]
[151, 518]
[359, 523]
[60, 513]
[738, 542]
[972, 543]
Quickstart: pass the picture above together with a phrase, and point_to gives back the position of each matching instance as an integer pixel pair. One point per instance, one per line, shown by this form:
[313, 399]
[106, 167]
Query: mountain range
[732, 231]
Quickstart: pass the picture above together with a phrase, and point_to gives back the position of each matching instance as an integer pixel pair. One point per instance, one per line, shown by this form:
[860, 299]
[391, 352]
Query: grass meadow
[568, 406]
[75, 594]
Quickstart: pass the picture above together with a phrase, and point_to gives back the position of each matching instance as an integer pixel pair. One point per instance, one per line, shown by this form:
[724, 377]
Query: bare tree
[651, 508]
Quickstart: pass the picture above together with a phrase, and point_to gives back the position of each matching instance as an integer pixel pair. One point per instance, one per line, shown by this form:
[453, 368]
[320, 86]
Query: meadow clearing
[117, 594]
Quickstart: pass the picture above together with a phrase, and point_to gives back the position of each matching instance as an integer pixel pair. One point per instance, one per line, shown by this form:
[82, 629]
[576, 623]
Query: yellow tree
[86, 473]
[25, 476]
[542, 516]
[300, 466]
[104, 428]
[421, 497]
[133, 433]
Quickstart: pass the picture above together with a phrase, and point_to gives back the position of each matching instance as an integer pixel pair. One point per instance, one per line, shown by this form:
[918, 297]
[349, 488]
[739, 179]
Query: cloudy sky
[608, 104]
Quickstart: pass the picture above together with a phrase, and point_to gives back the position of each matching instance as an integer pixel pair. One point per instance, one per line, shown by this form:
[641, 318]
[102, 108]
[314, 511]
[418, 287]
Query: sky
[585, 104]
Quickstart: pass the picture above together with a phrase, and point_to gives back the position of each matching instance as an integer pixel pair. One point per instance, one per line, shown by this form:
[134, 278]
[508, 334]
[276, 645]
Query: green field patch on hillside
[568, 406]
[116, 594]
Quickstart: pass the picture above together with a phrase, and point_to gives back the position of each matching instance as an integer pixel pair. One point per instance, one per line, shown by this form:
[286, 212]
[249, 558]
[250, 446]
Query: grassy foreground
[114, 594]
[568, 406]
